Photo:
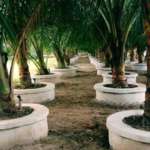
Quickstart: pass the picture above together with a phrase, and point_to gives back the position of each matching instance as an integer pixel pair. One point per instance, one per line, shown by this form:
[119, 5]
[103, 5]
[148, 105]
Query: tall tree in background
[39, 41]
[19, 15]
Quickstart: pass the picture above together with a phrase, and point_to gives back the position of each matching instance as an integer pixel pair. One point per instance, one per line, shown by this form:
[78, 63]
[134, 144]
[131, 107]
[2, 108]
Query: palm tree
[119, 17]
[39, 41]
[19, 14]
[114, 20]
[9, 31]
[59, 38]
[7, 102]
[146, 6]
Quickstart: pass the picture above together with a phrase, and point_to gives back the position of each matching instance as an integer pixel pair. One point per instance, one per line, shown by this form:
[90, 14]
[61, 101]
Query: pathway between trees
[76, 121]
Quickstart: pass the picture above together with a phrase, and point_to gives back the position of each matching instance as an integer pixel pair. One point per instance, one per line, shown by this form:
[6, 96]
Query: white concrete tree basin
[138, 67]
[24, 130]
[37, 95]
[120, 96]
[130, 76]
[125, 137]
[66, 72]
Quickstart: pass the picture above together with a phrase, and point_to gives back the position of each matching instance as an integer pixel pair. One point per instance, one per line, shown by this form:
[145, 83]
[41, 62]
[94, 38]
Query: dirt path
[76, 121]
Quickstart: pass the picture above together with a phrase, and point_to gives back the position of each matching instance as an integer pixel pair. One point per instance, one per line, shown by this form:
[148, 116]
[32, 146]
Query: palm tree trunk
[132, 55]
[102, 56]
[67, 60]
[43, 69]
[24, 74]
[118, 76]
[66, 56]
[60, 58]
[7, 102]
[118, 67]
[140, 58]
[140, 55]
[4, 88]
[107, 58]
[146, 4]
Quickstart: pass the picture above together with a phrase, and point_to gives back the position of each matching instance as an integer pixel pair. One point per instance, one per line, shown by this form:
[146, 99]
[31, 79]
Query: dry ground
[76, 121]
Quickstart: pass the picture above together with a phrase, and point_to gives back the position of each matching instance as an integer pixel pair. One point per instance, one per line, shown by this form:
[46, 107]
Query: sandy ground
[76, 121]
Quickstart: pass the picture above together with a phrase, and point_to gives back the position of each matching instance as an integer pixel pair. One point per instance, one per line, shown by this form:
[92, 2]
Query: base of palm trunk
[37, 95]
[24, 130]
[130, 76]
[125, 137]
[120, 96]
[66, 72]
[44, 78]
[138, 67]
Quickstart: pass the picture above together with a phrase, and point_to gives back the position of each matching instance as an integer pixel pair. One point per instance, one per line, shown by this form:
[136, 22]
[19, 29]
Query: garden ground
[76, 121]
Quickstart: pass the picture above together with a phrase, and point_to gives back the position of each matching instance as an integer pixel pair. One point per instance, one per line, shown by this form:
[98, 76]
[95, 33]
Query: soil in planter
[125, 73]
[45, 74]
[138, 122]
[33, 86]
[112, 86]
[16, 114]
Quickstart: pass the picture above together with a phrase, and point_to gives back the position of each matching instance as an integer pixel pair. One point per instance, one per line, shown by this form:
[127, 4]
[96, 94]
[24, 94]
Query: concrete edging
[125, 137]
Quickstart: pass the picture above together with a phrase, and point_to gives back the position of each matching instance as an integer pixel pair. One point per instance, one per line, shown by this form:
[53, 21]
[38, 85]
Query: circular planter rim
[139, 64]
[131, 74]
[31, 91]
[101, 87]
[115, 124]
[39, 112]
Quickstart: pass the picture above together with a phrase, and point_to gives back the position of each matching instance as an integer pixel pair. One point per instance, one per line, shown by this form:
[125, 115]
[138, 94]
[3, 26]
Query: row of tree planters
[63, 55]
[115, 36]
[131, 128]
[118, 28]
[99, 64]
[68, 71]
[20, 123]
[26, 27]
[94, 61]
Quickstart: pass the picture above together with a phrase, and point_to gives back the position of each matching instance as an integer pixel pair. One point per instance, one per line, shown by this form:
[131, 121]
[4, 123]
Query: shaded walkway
[76, 121]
